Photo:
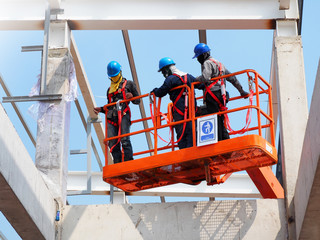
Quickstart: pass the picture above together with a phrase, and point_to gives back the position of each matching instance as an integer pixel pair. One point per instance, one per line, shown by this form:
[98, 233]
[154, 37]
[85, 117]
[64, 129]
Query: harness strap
[127, 109]
[121, 90]
[183, 91]
[222, 106]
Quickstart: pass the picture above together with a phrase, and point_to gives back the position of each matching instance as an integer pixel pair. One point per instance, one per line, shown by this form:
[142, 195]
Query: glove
[129, 95]
[96, 110]
[244, 93]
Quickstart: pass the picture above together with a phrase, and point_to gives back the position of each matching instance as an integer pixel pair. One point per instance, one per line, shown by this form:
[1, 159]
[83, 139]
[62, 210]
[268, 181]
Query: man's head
[164, 66]
[113, 69]
[201, 52]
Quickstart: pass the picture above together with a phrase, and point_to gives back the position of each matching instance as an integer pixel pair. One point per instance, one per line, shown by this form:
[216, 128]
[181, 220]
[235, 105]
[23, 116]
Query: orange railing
[256, 83]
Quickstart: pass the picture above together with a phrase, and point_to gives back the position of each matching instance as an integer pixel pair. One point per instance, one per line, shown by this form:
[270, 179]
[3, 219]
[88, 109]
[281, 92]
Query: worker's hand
[244, 94]
[129, 95]
[153, 90]
[97, 110]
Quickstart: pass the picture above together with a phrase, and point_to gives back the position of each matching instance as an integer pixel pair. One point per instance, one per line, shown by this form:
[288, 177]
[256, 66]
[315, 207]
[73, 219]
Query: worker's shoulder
[190, 75]
[129, 82]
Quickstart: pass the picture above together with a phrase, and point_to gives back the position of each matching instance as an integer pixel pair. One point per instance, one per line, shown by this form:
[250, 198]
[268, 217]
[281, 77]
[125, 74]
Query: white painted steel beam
[286, 28]
[54, 4]
[284, 4]
[143, 14]
[237, 186]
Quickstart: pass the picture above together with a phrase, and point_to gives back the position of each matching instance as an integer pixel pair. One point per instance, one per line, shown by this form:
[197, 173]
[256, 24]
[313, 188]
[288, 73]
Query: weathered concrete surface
[292, 98]
[251, 219]
[24, 198]
[307, 195]
[53, 126]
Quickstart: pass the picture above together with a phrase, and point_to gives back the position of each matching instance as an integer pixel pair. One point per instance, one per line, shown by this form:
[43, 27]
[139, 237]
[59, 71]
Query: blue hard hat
[113, 68]
[200, 48]
[166, 61]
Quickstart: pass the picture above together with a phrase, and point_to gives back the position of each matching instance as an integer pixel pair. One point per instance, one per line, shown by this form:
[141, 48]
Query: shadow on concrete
[227, 220]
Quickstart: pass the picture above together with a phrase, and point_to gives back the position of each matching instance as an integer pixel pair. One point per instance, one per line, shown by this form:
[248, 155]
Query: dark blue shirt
[174, 81]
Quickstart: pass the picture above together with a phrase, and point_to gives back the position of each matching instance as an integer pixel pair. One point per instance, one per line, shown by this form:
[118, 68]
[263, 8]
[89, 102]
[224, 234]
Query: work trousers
[186, 140]
[213, 107]
[125, 141]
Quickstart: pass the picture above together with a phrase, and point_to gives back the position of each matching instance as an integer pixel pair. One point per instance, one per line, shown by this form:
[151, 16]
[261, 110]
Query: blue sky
[237, 49]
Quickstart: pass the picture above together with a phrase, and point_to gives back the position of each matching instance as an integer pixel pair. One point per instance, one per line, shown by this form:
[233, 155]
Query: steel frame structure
[143, 15]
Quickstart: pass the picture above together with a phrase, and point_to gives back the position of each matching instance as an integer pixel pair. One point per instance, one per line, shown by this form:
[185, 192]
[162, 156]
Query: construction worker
[173, 78]
[120, 89]
[215, 96]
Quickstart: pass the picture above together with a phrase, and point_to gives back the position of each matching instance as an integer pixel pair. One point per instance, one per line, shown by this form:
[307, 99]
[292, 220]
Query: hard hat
[166, 61]
[200, 48]
[113, 68]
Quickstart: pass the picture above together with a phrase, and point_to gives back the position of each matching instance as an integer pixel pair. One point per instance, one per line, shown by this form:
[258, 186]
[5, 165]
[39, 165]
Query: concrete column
[293, 108]
[307, 195]
[54, 117]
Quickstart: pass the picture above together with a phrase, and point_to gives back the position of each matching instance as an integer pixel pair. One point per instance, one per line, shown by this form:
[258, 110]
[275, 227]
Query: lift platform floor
[191, 165]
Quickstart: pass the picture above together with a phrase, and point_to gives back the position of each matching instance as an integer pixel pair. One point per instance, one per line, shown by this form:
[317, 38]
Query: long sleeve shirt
[171, 82]
[210, 69]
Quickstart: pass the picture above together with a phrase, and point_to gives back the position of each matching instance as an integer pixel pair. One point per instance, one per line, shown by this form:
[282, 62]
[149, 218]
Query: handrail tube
[151, 150]
[186, 120]
[258, 103]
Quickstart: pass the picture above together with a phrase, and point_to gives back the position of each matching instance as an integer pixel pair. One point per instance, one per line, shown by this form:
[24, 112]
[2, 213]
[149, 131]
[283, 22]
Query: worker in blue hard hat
[173, 78]
[120, 89]
[215, 96]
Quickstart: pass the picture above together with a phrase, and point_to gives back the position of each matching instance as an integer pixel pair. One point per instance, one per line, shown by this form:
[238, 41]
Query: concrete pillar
[54, 117]
[307, 194]
[293, 108]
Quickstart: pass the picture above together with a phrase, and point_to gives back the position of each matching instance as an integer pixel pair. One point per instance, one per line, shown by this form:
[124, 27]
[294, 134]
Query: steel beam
[237, 186]
[31, 48]
[284, 4]
[203, 36]
[16, 109]
[136, 81]
[104, 15]
[93, 145]
[45, 97]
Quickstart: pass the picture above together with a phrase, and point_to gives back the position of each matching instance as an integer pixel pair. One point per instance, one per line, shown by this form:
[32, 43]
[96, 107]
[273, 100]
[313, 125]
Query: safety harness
[111, 99]
[222, 106]
[111, 96]
[184, 91]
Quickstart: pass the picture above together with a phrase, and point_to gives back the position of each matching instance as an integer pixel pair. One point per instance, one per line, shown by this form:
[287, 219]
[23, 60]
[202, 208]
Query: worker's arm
[200, 86]
[234, 81]
[164, 89]
[133, 92]
[209, 70]
[96, 110]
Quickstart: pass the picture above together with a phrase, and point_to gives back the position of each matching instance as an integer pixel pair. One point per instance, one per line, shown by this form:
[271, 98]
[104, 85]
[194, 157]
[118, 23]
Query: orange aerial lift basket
[212, 163]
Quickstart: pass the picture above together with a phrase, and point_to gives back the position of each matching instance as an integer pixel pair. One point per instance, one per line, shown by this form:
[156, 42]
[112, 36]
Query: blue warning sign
[207, 133]
[207, 130]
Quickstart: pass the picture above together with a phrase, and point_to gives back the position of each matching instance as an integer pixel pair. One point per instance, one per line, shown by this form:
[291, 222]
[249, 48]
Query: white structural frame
[280, 15]
[244, 14]
[134, 15]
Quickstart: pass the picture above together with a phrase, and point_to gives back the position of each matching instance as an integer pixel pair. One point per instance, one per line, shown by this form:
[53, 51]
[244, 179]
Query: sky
[236, 49]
